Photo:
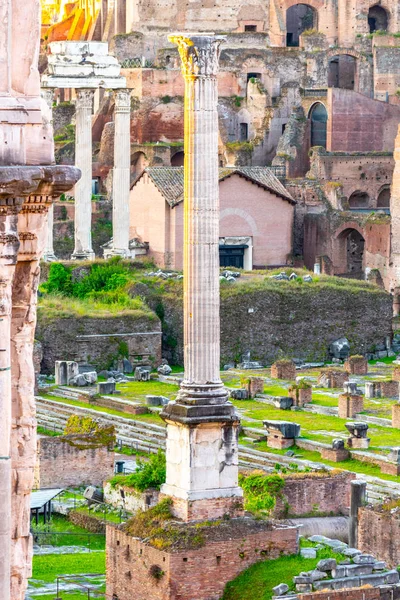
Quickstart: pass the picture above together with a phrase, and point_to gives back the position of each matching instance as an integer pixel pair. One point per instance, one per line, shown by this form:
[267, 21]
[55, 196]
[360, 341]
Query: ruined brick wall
[379, 534]
[61, 464]
[350, 406]
[360, 124]
[396, 416]
[188, 574]
[313, 495]
[97, 341]
[353, 594]
[283, 370]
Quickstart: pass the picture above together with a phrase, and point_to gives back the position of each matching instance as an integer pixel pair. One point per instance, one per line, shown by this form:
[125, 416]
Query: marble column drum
[202, 426]
[121, 175]
[83, 189]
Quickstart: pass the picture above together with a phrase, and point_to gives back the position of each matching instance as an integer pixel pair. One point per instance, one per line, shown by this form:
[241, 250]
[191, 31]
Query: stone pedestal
[202, 426]
[301, 394]
[356, 365]
[350, 405]
[65, 371]
[358, 435]
[283, 369]
[281, 434]
[337, 453]
[121, 176]
[83, 190]
[396, 416]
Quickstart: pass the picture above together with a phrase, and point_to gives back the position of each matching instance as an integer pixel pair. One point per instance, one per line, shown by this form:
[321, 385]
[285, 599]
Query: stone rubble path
[41, 550]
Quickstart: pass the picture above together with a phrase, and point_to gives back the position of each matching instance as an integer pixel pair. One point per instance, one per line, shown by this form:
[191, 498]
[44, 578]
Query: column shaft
[49, 255]
[8, 256]
[121, 174]
[83, 189]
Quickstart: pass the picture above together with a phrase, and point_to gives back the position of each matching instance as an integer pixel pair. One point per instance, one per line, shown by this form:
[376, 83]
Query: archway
[138, 164]
[319, 118]
[351, 252]
[299, 18]
[377, 19]
[359, 200]
[383, 200]
[342, 71]
[178, 159]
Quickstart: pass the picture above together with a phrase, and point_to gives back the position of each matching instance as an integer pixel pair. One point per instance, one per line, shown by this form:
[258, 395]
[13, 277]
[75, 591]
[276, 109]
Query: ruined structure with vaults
[29, 181]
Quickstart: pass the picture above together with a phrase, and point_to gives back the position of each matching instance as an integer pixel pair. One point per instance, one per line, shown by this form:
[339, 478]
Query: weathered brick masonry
[350, 405]
[355, 594]
[61, 464]
[304, 495]
[187, 574]
[379, 533]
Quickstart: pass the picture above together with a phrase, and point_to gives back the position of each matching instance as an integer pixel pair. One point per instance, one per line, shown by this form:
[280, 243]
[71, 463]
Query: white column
[83, 189]
[48, 255]
[202, 425]
[121, 175]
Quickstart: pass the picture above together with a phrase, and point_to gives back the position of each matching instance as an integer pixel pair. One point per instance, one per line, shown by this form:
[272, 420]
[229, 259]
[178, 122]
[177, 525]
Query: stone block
[255, 385]
[364, 559]
[164, 370]
[142, 374]
[327, 564]
[280, 589]
[283, 402]
[308, 553]
[350, 387]
[65, 371]
[394, 455]
[156, 400]
[106, 387]
[358, 443]
[285, 428]
[340, 348]
[357, 429]
[300, 395]
[335, 455]
[332, 378]
[370, 389]
[240, 394]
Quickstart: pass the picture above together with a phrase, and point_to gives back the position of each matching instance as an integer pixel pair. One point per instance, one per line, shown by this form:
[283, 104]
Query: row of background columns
[83, 249]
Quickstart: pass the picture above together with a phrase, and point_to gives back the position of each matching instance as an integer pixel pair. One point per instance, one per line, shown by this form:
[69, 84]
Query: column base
[197, 505]
[110, 252]
[49, 257]
[88, 255]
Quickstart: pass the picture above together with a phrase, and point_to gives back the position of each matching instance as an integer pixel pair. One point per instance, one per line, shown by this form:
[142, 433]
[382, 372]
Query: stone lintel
[48, 180]
[111, 83]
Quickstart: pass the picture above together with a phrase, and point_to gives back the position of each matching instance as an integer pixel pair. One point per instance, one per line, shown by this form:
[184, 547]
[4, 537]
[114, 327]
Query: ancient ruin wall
[288, 320]
[62, 463]
[353, 594]
[379, 532]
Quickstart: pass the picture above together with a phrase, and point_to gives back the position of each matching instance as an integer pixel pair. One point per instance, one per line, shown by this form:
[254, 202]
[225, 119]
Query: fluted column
[9, 245]
[202, 426]
[121, 175]
[48, 255]
[83, 189]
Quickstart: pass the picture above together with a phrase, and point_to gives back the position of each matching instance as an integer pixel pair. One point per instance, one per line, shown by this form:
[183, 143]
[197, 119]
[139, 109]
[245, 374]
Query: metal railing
[138, 62]
[43, 538]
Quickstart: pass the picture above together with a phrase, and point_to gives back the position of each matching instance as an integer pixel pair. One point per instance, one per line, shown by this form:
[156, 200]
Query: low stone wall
[62, 464]
[379, 532]
[313, 493]
[115, 404]
[187, 574]
[385, 593]
[133, 501]
[91, 524]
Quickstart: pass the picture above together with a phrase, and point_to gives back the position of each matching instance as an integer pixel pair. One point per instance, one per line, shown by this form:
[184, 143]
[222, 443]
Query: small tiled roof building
[256, 217]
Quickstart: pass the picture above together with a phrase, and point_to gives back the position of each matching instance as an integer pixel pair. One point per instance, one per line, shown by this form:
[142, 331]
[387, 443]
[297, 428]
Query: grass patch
[58, 306]
[48, 567]
[58, 533]
[138, 390]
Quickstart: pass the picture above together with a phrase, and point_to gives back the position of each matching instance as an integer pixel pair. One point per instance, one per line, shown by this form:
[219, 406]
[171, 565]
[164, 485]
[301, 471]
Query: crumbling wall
[379, 533]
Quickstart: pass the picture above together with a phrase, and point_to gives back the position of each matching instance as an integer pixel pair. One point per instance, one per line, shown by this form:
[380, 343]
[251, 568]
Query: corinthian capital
[199, 54]
[84, 98]
[123, 100]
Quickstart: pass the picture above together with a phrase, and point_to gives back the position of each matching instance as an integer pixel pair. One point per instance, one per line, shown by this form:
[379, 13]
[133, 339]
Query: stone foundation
[209, 508]
[332, 378]
[385, 593]
[283, 369]
[335, 455]
[396, 416]
[358, 443]
[279, 442]
[379, 533]
[300, 396]
[356, 365]
[254, 386]
[136, 570]
[62, 464]
[350, 405]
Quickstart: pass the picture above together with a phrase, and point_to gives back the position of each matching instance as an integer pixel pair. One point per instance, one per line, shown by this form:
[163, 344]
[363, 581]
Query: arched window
[377, 19]
[319, 118]
[342, 72]
[355, 251]
[359, 200]
[299, 18]
[384, 198]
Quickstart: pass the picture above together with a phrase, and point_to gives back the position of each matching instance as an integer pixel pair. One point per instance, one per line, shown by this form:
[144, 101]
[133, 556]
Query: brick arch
[313, 105]
[316, 4]
[345, 51]
[347, 226]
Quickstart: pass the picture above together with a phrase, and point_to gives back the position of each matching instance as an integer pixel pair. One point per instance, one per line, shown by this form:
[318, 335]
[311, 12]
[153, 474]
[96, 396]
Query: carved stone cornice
[21, 181]
[122, 101]
[84, 99]
[199, 54]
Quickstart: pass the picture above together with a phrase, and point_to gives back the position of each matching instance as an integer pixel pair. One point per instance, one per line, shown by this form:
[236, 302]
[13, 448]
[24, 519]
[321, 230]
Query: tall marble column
[9, 245]
[121, 175]
[202, 426]
[83, 189]
[48, 255]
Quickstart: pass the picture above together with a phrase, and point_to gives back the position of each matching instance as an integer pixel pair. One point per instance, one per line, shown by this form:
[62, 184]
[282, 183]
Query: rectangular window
[250, 27]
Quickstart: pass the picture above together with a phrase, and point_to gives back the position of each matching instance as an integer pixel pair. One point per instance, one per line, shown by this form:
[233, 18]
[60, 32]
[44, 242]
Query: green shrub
[150, 474]
[59, 280]
[261, 492]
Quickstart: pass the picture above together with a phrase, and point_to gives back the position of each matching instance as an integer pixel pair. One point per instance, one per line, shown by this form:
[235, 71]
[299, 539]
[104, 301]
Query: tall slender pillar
[202, 426]
[48, 255]
[9, 245]
[83, 189]
[121, 175]
[394, 262]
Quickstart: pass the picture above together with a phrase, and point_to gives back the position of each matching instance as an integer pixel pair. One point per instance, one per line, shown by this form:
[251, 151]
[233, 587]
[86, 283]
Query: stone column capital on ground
[202, 426]
[121, 176]
[83, 189]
